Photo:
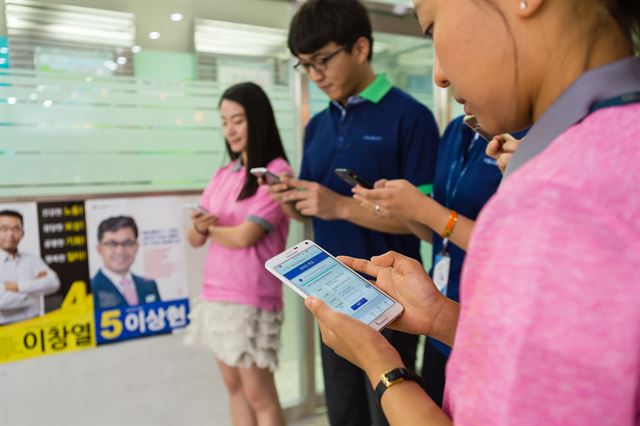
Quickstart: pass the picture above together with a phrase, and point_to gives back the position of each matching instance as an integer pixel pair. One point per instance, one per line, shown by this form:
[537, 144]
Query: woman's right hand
[501, 149]
[405, 280]
[202, 222]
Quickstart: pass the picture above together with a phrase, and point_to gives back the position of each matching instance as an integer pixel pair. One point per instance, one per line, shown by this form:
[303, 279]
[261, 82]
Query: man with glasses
[24, 278]
[114, 285]
[377, 131]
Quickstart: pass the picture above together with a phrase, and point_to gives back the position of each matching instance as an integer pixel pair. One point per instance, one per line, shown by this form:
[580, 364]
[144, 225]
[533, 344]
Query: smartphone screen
[315, 273]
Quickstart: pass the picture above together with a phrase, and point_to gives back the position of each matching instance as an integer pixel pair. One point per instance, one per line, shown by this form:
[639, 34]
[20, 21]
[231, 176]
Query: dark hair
[116, 223]
[12, 213]
[319, 22]
[627, 15]
[263, 139]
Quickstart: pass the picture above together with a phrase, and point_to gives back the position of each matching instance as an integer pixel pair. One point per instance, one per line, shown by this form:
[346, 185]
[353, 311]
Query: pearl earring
[523, 4]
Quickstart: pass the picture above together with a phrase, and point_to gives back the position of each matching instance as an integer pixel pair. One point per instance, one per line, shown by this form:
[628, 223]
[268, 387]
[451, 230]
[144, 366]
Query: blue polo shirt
[382, 133]
[465, 180]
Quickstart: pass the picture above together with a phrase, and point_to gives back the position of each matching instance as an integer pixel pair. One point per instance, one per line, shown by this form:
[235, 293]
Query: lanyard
[450, 193]
[625, 99]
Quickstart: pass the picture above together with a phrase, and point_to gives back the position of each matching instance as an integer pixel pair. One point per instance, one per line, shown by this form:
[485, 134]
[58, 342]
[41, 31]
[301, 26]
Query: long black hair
[263, 139]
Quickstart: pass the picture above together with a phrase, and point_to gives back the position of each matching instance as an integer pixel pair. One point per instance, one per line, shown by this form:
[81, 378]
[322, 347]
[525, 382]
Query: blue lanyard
[626, 99]
[450, 193]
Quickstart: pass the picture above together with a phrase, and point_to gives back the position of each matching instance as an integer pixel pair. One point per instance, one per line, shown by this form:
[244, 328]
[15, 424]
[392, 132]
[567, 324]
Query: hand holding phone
[309, 270]
[269, 178]
[196, 208]
[472, 122]
[351, 178]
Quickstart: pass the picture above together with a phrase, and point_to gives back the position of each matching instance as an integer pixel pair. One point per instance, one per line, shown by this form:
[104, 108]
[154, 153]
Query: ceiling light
[121, 60]
[47, 103]
[154, 35]
[238, 39]
[4, 50]
[11, 100]
[135, 48]
[176, 17]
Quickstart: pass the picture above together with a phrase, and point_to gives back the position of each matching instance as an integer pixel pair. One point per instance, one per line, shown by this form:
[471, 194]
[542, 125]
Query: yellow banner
[70, 328]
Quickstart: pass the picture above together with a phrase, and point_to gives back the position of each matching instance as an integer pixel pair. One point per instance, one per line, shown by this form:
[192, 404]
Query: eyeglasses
[319, 65]
[112, 244]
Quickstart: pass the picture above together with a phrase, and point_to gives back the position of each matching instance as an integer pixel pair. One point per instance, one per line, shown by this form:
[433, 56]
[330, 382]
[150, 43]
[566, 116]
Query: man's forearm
[48, 284]
[13, 300]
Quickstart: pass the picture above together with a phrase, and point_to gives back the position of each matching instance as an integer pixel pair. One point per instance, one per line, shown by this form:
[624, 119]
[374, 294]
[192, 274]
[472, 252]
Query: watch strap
[392, 377]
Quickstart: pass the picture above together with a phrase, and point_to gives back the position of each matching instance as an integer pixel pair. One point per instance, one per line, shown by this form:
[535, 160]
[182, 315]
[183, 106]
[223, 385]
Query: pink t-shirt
[549, 332]
[238, 275]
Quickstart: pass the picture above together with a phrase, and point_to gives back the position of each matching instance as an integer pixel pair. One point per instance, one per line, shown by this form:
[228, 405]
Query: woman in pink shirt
[239, 314]
[548, 329]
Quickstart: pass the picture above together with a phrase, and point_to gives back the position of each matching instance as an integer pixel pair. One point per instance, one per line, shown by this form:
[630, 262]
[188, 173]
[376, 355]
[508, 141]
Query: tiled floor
[318, 420]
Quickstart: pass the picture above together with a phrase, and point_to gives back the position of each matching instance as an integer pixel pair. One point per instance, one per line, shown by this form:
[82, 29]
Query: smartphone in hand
[352, 179]
[269, 178]
[472, 122]
[195, 207]
[309, 270]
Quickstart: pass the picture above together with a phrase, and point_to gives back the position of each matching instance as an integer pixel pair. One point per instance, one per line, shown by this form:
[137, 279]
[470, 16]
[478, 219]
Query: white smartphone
[196, 207]
[309, 270]
[270, 178]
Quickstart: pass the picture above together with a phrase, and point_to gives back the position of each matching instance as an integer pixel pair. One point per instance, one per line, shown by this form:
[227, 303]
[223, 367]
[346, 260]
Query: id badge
[441, 271]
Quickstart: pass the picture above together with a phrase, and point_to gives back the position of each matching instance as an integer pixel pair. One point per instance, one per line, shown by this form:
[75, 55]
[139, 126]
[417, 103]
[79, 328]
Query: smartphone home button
[381, 320]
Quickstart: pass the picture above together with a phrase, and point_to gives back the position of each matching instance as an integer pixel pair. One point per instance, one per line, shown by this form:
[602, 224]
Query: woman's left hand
[354, 340]
[501, 149]
[396, 198]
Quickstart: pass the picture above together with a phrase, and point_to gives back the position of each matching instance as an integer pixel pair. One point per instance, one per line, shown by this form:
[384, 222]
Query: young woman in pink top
[239, 314]
[548, 328]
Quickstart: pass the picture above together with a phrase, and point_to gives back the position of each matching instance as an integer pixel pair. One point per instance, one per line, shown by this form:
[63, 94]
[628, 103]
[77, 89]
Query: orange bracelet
[453, 219]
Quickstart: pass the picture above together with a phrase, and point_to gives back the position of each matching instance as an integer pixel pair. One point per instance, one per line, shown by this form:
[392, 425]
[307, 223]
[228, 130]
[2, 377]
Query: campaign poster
[137, 267]
[45, 305]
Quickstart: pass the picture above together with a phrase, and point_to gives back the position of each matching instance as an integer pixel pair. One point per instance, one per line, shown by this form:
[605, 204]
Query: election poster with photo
[137, 266]
[45, 305]
[78, 274]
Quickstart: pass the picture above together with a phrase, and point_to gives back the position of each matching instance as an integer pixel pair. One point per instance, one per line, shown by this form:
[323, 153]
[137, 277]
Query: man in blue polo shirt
[377, 131]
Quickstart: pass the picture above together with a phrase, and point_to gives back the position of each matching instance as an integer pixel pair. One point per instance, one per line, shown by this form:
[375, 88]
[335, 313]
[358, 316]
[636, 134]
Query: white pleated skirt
[238, 335]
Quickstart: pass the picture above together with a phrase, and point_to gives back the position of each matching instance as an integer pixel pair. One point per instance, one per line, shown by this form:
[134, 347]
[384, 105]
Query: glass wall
[83, 118]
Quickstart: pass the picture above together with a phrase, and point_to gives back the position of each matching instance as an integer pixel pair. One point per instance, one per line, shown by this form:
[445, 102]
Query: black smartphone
[352, 179]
